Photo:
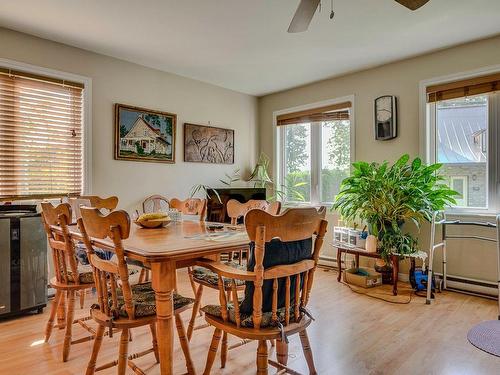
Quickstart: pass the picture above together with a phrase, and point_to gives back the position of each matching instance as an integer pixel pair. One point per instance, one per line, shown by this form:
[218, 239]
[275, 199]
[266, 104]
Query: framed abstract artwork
[208, 144]
[144, 135]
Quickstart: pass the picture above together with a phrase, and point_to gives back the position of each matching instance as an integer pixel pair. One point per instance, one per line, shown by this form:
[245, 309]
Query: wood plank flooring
[353, 334]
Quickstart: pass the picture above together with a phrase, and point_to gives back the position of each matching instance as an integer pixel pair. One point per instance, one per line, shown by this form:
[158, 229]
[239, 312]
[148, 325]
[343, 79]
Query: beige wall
[400, 79]
[115, 81]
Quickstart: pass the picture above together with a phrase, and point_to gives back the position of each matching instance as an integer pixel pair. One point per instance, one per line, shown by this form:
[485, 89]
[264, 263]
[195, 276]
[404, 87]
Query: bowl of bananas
[153, 220]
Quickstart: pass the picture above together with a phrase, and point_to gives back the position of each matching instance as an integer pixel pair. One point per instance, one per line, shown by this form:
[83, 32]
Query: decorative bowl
[153, 223]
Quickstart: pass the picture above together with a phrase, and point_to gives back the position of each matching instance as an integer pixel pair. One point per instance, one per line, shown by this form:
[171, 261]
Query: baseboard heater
[455, 283]
[481, 288]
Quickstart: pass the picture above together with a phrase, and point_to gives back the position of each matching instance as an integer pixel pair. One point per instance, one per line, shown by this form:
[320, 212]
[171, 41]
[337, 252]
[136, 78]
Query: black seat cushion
[276, 253]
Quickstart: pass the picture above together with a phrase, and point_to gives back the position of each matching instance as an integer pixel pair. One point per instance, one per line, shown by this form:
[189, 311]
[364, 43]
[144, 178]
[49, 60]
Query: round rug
[486, 336]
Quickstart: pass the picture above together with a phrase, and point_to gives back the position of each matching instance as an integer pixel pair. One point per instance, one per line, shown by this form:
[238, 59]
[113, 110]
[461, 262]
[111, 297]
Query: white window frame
[278, 150]
[427, 125]
[87, 110]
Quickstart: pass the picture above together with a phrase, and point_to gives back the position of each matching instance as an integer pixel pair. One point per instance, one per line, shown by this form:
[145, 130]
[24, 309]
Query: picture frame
[143, 134]
[208, 144]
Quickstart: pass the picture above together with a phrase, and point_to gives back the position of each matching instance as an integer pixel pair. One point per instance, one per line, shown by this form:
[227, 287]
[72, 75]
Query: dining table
[164, 250]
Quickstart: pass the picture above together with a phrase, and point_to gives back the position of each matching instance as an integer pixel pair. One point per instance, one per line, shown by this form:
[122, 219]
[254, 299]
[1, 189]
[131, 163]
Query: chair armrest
[227, 271]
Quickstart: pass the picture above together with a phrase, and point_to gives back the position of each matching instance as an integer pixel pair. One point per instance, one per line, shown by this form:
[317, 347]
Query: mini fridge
[23, 260]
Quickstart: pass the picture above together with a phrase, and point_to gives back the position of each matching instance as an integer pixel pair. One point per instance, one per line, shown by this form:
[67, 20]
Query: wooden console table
[357, 252]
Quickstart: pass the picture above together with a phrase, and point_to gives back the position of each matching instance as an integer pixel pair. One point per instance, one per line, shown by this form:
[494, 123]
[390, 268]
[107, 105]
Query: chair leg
[191, 280]
[196, 307]
[61, 311]
[82, 298]
[53, 311]
[69, 324]
[184, 343]
[212, 352]
[123, 354]
[281, 352]
[223, 350]
[306, 348]
[152, 326]
[262, 358]
[95, 350]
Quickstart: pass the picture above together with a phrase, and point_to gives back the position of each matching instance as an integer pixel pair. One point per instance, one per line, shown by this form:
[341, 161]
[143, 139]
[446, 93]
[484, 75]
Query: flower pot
[385, 270]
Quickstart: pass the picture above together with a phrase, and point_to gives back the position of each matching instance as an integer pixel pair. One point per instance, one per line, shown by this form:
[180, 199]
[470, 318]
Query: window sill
[298, 205]
[482, 216]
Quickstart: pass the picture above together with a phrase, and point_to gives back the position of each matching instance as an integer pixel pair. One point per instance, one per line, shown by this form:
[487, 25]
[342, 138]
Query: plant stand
[395, 258]
[357, 252]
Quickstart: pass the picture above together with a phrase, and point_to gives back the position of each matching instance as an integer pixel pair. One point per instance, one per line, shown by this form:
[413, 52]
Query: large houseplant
[386, 196]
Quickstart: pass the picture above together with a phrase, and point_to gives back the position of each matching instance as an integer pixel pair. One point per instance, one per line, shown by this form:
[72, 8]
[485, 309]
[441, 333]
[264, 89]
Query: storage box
[369, 281]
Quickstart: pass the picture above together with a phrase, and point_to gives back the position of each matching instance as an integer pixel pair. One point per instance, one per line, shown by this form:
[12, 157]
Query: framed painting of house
[208, 144]
[144, 135]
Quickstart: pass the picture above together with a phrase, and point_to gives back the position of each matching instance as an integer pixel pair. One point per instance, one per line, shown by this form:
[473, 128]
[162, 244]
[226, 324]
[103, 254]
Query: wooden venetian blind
[334, 112]
[460, 89]
[41, 150]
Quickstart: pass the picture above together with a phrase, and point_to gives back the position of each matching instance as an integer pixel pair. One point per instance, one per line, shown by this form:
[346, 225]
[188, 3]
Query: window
[315, 153]
[41, 136]
[463, 119]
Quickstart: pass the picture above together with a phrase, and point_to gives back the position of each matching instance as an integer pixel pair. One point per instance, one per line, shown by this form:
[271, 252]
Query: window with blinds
[315, 149]
[464, 116]
[41, 136]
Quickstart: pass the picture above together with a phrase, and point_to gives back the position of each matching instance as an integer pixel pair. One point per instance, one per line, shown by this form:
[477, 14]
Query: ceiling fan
[306, 9]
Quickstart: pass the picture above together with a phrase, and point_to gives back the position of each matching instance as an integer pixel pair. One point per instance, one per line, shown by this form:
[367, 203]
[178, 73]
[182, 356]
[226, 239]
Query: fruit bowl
[153, 220]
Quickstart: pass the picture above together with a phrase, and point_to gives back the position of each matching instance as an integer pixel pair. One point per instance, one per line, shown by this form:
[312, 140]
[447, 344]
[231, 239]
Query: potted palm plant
[386, 196]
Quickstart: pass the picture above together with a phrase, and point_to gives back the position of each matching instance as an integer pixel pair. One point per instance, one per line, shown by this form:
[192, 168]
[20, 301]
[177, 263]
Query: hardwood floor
[353, 334]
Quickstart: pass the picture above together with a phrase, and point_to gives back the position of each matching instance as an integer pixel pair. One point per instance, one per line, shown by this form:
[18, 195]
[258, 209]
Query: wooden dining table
[165, 250]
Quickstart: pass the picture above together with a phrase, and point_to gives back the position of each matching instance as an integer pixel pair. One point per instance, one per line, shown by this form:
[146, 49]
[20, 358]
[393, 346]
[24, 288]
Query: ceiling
[243, 44]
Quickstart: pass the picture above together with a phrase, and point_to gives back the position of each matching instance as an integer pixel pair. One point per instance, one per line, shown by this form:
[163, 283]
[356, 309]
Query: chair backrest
[116, 226]
[191, 206]
[295, 224]
[235, 209]
[109, 203]
[62, 246]
[155, 203]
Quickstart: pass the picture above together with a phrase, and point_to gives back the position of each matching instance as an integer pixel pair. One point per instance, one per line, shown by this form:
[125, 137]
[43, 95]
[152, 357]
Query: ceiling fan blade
[303, 16]
[412, 4]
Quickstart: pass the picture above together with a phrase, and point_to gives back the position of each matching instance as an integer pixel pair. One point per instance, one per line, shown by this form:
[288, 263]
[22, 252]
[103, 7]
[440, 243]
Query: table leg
[339, 264]
[357, 260]
[395, 272]
[163, 280]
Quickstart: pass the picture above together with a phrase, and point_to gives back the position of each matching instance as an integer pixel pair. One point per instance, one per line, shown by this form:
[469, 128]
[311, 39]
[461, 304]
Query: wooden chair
[121, 305]
[108, 204]
[155, 203]
[191, 206]
[236, 210]
[206, 278]
[291, 287]
[68, 279]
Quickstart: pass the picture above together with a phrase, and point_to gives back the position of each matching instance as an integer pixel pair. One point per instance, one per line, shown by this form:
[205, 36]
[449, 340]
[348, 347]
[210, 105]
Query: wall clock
[386, 117]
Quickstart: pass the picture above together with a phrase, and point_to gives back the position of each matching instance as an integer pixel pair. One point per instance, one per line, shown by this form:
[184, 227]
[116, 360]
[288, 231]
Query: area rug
[384, 292]
[486, 336]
